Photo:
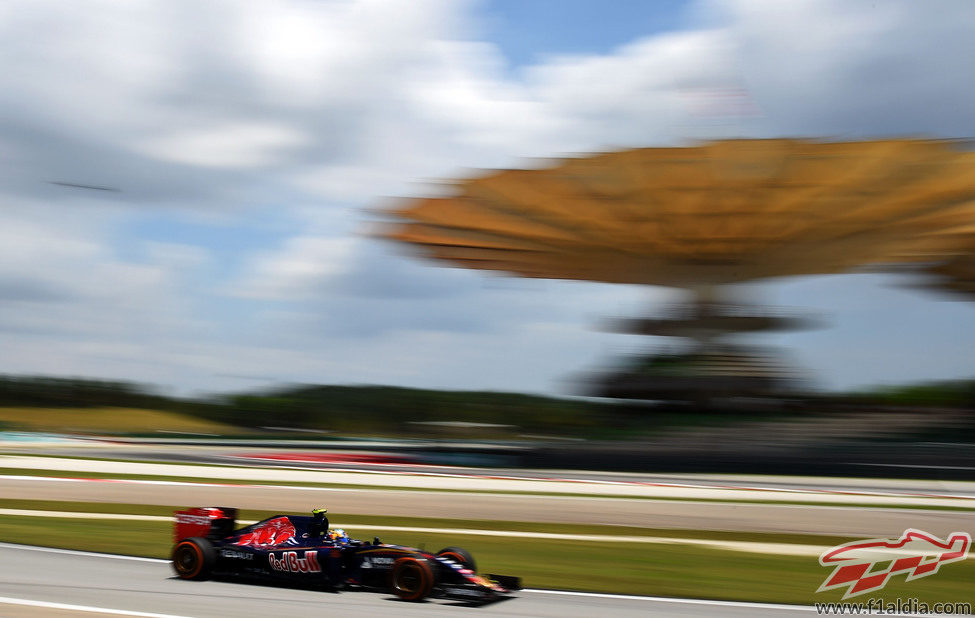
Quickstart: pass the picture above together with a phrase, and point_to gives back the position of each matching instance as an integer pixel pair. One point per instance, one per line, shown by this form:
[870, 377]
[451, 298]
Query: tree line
[409, 411]
[337, 408]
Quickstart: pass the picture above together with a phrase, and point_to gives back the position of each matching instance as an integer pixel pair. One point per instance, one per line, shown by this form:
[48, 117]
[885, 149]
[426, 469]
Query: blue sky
[250, 142]
[528, 32]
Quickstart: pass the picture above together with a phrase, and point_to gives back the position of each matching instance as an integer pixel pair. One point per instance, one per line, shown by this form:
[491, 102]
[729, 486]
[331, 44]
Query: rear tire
[459, 555]
[412, 578]
[193, 558]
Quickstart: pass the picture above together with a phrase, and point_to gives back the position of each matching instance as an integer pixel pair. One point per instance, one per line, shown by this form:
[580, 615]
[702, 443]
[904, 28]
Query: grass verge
[346, 520]
[106, 420]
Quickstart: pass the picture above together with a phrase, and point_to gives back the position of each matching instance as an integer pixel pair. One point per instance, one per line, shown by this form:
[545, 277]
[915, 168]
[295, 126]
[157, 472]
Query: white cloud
[60, 279]
[298, 271]
[234, 146]
[315, 110]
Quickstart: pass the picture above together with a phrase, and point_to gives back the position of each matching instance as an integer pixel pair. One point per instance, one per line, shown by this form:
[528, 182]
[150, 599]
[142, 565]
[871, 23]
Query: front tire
[412, 578]
[460, 556]
[193, 558]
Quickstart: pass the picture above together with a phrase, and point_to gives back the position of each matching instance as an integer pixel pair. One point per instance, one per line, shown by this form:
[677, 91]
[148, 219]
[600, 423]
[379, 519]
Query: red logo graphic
[865, 566]
[273, 532]
[289, 562]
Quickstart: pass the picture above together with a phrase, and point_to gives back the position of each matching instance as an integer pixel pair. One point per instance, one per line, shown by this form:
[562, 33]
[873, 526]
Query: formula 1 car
[302, 550]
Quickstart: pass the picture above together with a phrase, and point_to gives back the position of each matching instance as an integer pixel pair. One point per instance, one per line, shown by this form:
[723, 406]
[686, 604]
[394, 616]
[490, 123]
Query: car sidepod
[307, 566]
[372, 566]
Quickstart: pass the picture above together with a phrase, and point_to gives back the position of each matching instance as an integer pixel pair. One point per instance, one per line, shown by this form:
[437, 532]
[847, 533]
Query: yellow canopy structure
[711, 214]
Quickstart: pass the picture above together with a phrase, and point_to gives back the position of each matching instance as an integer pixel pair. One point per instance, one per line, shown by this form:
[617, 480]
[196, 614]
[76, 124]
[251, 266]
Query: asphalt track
[750, 516]
[757, 517]
[108, 585]
[247, 456]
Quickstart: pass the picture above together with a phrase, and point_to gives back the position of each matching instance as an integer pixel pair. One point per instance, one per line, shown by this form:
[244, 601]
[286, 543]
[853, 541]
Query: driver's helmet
[338, 536]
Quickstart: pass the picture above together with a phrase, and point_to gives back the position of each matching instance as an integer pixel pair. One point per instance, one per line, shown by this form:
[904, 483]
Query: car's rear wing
[205, 521]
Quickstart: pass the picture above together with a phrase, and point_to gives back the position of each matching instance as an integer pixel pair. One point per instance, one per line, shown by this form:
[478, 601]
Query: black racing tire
[412, 578]
[459, 555]
[193, 558]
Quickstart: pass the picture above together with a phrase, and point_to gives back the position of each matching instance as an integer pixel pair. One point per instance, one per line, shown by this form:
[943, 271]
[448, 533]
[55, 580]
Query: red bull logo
[273, 532]
[289, 562]
[866, 566]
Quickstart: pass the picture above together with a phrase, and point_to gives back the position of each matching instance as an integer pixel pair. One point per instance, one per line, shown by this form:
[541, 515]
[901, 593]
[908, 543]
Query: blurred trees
[397, 411]
[341, 409]
[75, 393]
[948, 394]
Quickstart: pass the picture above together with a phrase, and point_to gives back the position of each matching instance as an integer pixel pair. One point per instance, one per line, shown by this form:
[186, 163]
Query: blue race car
[303, 550]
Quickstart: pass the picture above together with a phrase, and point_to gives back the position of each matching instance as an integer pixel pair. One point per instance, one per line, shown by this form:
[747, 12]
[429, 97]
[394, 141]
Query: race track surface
[755, 517]
[331, 460]
[119, 585]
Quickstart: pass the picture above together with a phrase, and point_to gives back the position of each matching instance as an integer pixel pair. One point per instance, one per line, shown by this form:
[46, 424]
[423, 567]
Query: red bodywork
[202, 520]
[272, 532]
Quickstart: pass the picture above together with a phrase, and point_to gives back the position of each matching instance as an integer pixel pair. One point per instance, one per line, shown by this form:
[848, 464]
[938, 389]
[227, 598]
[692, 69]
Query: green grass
[107, 420]
[347, 519]
[651, 569]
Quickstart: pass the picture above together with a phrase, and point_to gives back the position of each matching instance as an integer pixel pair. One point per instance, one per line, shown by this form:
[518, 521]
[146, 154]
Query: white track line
[623, 488]
[83, 608]
[74, 552]
[626, 597]
[792, 549]
[417, 491]
[891, 499]
[78, 515]
[77, 479]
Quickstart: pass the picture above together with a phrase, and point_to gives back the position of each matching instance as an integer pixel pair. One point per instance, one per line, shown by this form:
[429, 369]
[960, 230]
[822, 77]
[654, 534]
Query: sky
[245, 146]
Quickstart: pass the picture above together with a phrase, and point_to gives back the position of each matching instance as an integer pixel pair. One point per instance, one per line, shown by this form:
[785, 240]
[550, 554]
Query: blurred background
[675, 237]
[190, 195]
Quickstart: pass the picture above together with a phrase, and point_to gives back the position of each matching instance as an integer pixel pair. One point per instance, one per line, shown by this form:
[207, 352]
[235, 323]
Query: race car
[302, 550]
